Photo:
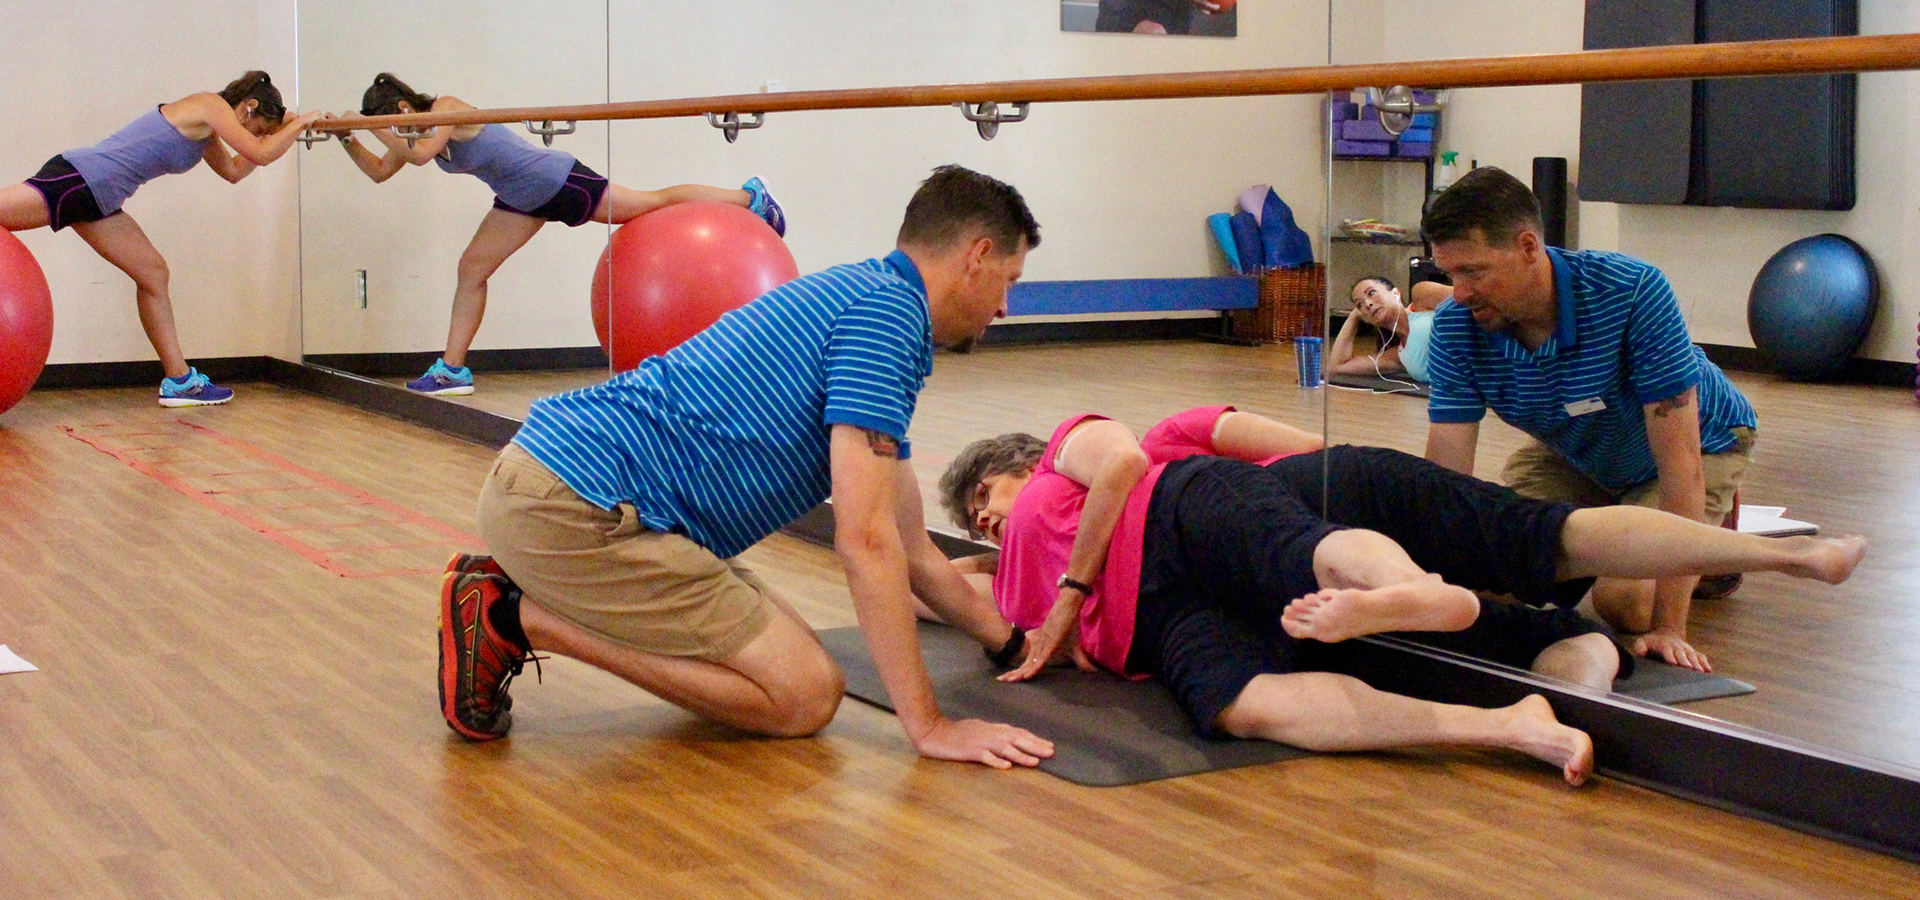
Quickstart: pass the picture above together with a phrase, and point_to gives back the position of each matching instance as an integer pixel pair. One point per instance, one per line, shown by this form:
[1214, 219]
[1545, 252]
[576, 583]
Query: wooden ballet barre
[1796, 56]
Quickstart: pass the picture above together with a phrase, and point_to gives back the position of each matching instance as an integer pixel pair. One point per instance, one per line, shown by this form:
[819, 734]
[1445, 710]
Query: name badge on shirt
[1582, 407]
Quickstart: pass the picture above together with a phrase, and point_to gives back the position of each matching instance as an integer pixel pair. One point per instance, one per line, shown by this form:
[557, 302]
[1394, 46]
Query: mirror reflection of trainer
[618, 508]
[1585, 351]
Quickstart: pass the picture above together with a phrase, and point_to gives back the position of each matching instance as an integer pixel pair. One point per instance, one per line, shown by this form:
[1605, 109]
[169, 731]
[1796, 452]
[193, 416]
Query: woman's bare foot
[1537, 733]
[1427, 604]
[1828, 559]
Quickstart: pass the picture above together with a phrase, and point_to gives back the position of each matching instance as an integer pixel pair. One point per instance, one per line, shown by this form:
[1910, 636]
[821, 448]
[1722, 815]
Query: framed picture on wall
[1206, 18]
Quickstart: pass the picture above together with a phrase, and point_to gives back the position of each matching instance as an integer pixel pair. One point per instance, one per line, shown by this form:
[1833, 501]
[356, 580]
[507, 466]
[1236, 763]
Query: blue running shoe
[443, 380]
[764, 206]
[193, 390]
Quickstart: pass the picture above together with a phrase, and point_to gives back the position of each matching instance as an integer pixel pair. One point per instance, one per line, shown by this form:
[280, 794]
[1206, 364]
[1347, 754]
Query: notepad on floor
[11, 662]
[1771, 521]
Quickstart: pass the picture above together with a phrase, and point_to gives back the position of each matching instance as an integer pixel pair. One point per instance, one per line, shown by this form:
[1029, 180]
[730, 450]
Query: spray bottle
[1444, 175]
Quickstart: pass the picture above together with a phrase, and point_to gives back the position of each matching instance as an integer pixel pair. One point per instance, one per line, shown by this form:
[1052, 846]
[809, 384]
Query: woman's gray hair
[1009, 454]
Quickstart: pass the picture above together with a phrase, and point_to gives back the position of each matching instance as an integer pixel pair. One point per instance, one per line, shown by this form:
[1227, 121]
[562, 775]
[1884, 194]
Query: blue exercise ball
[1812, 305]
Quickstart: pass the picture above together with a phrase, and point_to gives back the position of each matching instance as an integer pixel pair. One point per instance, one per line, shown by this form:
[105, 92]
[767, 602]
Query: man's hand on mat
[1672, 648]
[990, 743]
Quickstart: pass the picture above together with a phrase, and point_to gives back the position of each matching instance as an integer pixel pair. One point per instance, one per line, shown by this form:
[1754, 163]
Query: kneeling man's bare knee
[808, 695]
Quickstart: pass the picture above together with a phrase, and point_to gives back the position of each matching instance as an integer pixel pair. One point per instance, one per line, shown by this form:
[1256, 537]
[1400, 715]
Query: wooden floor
[219, 716]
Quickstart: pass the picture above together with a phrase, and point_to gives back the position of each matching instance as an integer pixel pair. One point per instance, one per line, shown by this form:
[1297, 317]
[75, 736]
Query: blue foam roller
[1222, 226]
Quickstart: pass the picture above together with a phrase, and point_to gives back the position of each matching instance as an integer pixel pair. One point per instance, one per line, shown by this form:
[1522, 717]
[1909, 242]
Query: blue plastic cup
[1306, 352]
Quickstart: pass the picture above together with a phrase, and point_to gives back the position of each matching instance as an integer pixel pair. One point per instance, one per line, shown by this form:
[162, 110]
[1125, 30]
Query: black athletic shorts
[1474, 533]
[573, 205]
[1227, 547]
[69, 199]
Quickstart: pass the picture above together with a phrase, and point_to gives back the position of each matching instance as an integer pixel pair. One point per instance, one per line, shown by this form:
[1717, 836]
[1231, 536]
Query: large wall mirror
[1836, 666]
[382, 263]
[1122, 190]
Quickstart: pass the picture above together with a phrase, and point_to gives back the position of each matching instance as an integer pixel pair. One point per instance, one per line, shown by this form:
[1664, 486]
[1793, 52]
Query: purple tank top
[139, 153]
[523, 175]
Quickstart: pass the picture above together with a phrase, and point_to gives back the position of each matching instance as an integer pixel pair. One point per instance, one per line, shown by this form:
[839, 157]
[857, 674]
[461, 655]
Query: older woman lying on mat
[1194, 556]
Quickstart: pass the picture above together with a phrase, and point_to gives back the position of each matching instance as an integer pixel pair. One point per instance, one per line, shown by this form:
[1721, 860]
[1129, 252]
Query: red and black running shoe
[476, 663]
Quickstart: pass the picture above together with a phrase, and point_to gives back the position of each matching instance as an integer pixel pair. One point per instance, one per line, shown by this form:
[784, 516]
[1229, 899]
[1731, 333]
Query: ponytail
[383, 98]
[257, 86]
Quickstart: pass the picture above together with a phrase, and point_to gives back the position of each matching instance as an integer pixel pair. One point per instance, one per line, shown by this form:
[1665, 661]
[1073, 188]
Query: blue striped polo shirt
[725, 437]
[1620, 341]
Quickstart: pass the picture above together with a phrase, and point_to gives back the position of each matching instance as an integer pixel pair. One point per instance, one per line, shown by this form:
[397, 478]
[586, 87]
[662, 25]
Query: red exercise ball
[676, 270]
[26, 320]
[1224, 6]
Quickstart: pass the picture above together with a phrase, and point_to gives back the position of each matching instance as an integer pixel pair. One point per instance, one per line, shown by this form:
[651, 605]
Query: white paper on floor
[10, 662]
[1771, 521]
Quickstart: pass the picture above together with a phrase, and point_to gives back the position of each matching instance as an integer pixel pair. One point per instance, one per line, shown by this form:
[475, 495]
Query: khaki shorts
[605, 572]
[1535, 470]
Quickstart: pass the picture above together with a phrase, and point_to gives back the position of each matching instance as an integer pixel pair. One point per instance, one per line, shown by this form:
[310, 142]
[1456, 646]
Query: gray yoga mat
[1380, 385]
[1657, 682]
[1105, 731]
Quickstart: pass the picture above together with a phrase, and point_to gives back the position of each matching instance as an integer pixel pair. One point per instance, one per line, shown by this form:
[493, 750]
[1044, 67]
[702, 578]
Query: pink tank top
[1040, 528]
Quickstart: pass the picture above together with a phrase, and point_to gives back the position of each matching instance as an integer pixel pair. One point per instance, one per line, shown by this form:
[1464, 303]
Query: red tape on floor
[272, 477]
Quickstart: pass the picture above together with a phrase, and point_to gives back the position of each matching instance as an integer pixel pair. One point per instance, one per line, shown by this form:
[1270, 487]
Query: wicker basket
[1292, 304]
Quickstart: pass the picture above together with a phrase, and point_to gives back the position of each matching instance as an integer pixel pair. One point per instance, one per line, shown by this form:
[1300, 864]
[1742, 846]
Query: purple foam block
[1342, 111]
[1362, 148]
[1367, 129]
[1413, 149]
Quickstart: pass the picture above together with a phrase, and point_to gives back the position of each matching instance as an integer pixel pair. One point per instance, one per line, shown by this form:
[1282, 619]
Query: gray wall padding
[1636, 137]
[1780, 142]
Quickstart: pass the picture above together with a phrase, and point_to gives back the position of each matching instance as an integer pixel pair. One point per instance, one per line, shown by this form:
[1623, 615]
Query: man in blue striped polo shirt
[1586, 352]
[615, 514]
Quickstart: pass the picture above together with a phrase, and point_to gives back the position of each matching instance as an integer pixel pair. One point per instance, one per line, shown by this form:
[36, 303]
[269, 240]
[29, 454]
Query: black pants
[1229, 544]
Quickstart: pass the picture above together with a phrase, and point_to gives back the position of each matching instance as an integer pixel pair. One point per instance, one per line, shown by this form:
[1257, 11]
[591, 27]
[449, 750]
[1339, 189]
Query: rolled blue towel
[1222, 226]
[1246, 239]
[1286, 245]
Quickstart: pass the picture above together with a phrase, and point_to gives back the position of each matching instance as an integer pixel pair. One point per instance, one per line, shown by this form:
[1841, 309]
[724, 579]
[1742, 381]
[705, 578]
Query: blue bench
[1127, 295]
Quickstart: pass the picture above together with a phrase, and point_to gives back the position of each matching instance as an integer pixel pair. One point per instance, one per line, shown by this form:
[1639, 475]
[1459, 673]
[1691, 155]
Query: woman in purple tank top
[235, 131]
[533, 185]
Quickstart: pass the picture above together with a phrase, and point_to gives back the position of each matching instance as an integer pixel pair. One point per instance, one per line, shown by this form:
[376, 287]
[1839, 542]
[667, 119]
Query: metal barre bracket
[412, 134]
[547, 130]
[987, 117]
[1396, 107]
[311, 137]
[732, 123]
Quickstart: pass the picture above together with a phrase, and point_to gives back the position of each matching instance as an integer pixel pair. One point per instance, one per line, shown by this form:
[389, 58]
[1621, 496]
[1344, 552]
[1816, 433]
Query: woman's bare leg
[620, 205]
[1253, 437]
[1329, 712]
[1370, 585]
[501, 234]
[1636, 542]
[119, 240]
[22, 208]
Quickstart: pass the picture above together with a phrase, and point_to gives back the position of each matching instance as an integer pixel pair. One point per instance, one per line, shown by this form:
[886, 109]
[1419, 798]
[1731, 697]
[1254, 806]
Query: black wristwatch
[1005, 656]
[1086, 590]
